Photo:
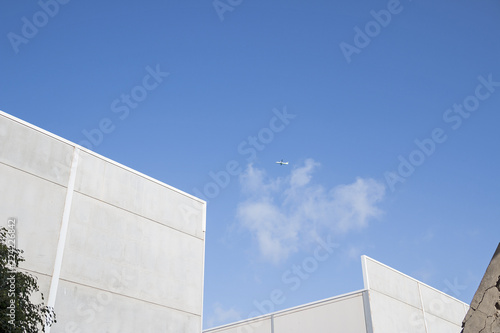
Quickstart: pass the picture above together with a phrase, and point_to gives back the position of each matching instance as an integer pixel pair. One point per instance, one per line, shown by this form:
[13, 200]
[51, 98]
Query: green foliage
[17, 313]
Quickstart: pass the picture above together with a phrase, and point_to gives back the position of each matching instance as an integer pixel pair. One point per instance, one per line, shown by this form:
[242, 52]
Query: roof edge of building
[88, 151]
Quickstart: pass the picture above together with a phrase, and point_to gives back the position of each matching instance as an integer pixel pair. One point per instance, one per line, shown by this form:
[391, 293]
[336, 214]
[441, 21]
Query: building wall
[344, 314]
[391, 302]
[113, 249]
[399, 303]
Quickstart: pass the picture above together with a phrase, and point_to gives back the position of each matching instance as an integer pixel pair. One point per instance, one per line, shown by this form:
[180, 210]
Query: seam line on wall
[32, 174]
[142, 216]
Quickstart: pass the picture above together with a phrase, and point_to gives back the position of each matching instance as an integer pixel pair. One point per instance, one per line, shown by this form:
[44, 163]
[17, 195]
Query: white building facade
[391, 302]
[113, 250]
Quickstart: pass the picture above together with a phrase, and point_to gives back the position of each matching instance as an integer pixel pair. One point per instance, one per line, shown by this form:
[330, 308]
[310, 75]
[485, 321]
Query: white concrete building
[114, 250]
[391, 302]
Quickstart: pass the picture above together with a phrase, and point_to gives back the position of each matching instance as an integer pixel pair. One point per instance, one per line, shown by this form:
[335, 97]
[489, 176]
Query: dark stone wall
[484, 313]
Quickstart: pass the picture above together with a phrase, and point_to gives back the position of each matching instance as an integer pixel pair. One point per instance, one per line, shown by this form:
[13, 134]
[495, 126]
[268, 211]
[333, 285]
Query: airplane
[281, 162]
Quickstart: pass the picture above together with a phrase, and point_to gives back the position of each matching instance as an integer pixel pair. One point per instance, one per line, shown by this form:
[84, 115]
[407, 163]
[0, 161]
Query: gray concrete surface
[484, 313]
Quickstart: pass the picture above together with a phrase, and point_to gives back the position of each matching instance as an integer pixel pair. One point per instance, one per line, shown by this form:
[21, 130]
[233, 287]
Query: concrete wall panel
[344, 315]
[119, 186]
[34, 151]
[103, 241]
[392, 283]
[438, 325]
[38, 206]
[92, 310]
[259, 325]
[441, 305]
[392, 316]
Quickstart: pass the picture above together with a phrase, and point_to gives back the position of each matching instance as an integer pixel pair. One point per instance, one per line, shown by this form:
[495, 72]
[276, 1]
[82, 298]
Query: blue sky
[388, 112]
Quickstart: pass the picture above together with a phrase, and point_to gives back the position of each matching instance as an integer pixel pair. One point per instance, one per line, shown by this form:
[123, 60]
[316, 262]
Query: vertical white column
[422, 305]
[63, 233]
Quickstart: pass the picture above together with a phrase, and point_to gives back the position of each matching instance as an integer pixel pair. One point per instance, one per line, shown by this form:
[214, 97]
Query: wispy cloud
[221, 316]
[287, 213]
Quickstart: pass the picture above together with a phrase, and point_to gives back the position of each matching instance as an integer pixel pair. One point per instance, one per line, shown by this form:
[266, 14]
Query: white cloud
[284, 214]
[222, 316]
[302, 176]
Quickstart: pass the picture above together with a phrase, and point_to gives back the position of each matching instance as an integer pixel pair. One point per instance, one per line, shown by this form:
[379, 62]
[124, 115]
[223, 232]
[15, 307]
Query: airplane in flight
[281, 162]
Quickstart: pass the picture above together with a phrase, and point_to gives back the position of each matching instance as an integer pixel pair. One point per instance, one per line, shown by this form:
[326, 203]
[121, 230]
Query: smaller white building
[391, 302]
